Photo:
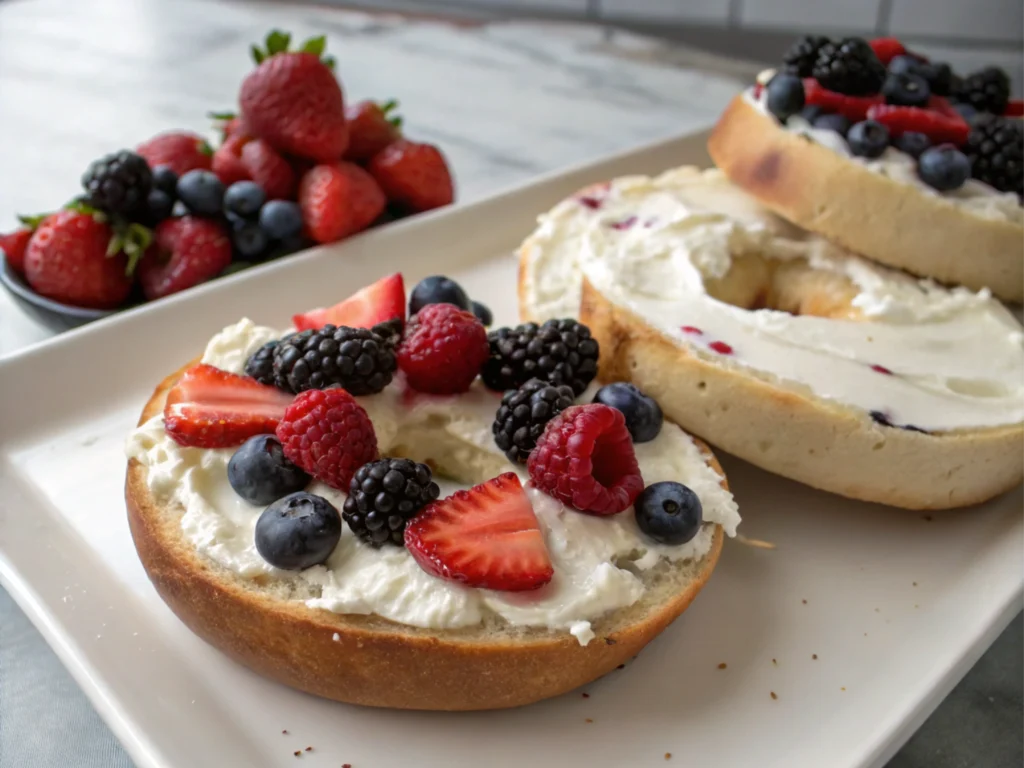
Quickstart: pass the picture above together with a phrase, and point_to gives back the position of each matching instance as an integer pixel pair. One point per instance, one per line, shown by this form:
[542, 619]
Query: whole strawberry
[185, 252]
[14, 246]
[371, 127]
[293, 100]
[338, 200]
[413, 175]
[66, 260]
[180, 150]
[227, 160]
[268, 169]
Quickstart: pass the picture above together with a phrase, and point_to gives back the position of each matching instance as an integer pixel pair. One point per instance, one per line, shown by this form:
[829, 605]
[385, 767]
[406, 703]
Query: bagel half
[890, 222]
[375, 662]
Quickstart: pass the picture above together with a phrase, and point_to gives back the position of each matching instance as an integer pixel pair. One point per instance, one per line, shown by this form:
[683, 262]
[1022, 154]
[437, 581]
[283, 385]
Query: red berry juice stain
[757, 90]
[720, 347]
[881, 369]
[692, 329]
[590, 202]
[624, 224]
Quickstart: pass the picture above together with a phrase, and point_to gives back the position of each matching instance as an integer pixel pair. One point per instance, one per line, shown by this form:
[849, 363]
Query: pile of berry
[297, 417]
[295, 166]
[878, 94]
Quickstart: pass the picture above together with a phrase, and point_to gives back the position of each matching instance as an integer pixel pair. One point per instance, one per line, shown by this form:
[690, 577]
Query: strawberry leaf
[205, 148]
[329, 62]
[221, 115]
[314, 45]
[32, 222]
[132, 240]
[277, 42]
[257, 54]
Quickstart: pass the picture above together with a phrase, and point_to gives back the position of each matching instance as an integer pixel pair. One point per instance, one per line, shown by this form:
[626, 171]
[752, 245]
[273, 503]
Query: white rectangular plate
[828, 650]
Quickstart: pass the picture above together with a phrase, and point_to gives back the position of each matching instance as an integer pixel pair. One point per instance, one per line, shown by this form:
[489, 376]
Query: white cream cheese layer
[594, 558]
[922, 355]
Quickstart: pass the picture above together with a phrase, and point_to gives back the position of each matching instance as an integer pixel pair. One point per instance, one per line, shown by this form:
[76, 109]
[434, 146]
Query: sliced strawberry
[1014, 108]
[211, 408]
[854, 108]
[377, 303]
[941, 105]
[485, 537]
[887, 48]
[940, 128]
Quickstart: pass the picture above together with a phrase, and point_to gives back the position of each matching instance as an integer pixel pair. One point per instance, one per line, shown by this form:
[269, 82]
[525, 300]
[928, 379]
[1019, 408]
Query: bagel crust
[371, 661]
[892, 223]
[803, 437]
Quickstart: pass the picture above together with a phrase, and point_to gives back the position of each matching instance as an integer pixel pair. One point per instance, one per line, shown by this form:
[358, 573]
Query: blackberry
[994, 148]
[559, 352]
[850, 67]
[357, 359]
[118, 183]
[800, 58]
[987, 90]
[390, 331]
[260, 364]
[524, 413]
[384, 496]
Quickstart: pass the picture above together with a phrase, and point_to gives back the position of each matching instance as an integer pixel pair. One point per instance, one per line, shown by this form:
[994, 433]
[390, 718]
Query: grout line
[735, 14]
[884, 17]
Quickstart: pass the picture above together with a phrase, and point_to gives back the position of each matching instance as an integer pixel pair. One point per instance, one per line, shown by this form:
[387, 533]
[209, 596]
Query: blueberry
[250, 240]
[299, 531]
[483, 313]
[811, 112]
[967, 111]
[943, 168]
[437, 290]
[833, 122]
[202, 192]
[158, 206]
[244, 199]
[906, 90]
[643, 414]
[904, 65]
[912, 142]
[281, 219]
[669, 513]
[868, 138]
[166, 180]
[785, 95]
[260, 473]
[286, 247]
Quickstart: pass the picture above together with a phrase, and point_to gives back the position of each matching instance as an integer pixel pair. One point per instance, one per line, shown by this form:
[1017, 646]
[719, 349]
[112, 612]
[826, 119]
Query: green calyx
[388, 110]
[279, 42]
[131, 239]
[32, 222]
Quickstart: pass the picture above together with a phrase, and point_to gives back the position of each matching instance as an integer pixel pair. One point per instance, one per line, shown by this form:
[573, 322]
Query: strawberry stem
[278, 42]
[32, 222]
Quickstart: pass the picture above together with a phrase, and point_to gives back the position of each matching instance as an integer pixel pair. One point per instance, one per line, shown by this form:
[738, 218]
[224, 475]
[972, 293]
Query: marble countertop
[506, 101]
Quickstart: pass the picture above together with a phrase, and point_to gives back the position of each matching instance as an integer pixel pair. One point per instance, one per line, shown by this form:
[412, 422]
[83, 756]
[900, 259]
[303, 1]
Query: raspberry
[853, 108]
[585, 459]
[941, 129]
[443, 350]
[328, 434]
[887, 48]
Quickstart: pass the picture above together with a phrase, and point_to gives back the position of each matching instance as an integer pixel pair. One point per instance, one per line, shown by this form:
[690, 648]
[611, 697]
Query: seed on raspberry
[443, 350]
[585, 458]
[328, 434]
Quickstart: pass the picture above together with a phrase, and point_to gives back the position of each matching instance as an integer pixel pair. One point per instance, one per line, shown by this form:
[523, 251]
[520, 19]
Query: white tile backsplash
[854, 15]
[981, 19]
[682, 11]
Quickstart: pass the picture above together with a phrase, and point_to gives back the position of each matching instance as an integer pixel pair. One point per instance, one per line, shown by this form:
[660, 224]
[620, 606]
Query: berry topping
[261, 474]
[371, 127]
[912, 143]
[244, 199]
[560, 352]
[643, 414]
[443, 350]
[487, 537]
[165, 180]
[249, 241]
[413, 175]
[384, 496]
[281, 219]
[180, 151]
[833, 122]
[868, 138]
[328, 434]
[906, 90]
[987, 90]
[1014, 108]
[14, 245]
[938, 127]
[298, 531]
[356, 359]
[260, 364]
[811, 112]
[118, 183]
[268, 169]
[887, 48]
[437, 289]
[854, 108]
[159, 206]
[585, 459]
[849, 66]
[669, 513]
[785, 96]
[377, 303]
[943, 168]
[211, 408]
[995, 150]
[338, 200]
[523, 415]
[201, 192]
[720, 347]
[483, 313]
[186, 251]
[799, 59]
